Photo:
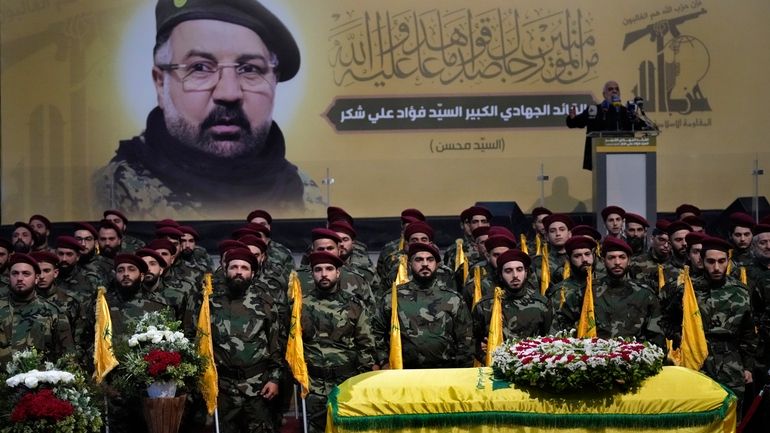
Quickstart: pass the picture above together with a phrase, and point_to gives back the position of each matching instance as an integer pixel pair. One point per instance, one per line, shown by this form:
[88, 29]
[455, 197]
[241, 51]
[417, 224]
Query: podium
[625, 172]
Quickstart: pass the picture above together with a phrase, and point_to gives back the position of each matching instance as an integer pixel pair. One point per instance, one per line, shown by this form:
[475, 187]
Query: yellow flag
[523, 242]
[566, 272]
[744, 278]
[209, 379]
[545, 272]
[476, 285]
[461, 260]
[401, 243]
[495, 337]
[587, 324]
[295, 351]
[402, 276]
[729, 269]
[661, 278]
[395, 359]
[538, 245]
[104, 356]
[694, 349]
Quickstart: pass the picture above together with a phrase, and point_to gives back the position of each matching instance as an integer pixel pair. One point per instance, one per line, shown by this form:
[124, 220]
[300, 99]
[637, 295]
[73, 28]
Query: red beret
[677, 226]
[149, 252]
[741, 219]
[24, 258]
[536, 212]
[69, 242]
[229, 244]
[579, 242]
[558, 217]
[686, 208]
[322, 233]
[243, 231]
[45, 256]
[761, 228]
[189, 231]
[87, 227]
[117, 213]
[317, 258]
[609, 210]
[430, 248]
[254, 241]
[169, 232]
[501, 231]
[343, 227]
[496, 241]
[162, 244]
[259, 228]
[584, 230]
[694, 238]
[334, 213]
[480, 231]
[168, 222]
[107, 224]
[513, 255]
[662, 224]
[412, 212]
[18, 224]
[638, 219]
[472, 211]
[712, 243]
[131, 259]
[693, 220]
[259, 213]
[418, 227]
[46, 222]
[409, 219]
[6, 244]
[242, 254]
[615, 244]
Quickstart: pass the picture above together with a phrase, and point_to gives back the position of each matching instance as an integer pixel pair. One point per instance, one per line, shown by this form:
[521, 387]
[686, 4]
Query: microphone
[616, 101]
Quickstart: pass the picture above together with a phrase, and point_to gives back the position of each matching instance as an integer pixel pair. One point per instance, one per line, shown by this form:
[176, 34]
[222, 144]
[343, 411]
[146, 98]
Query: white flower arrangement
[156, 336]
[33, 378]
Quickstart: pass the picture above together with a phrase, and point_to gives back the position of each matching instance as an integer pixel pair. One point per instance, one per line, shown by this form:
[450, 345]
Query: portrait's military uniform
[727, 322]
[33, 323]
[622, 308]
[130, 244]
[338, 343]
[525, 312]
[435, 326]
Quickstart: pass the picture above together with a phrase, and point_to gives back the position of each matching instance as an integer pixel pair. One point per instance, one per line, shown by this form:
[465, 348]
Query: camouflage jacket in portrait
[32, 323]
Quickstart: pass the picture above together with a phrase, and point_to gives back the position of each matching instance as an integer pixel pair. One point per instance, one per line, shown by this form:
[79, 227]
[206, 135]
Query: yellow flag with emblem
[476, 285]
[694, 348]
[461, 260]
[495, 336]
[523, 242]
[395, 359]
[587, 323]
[209, 387]
[295, 351]
[104, 356]
[545, 272]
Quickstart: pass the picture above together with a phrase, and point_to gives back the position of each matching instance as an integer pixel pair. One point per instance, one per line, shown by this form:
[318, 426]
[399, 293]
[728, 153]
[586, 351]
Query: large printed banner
[433, 104]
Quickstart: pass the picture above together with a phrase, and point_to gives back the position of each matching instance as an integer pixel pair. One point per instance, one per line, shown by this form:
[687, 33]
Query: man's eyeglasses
[253, 76]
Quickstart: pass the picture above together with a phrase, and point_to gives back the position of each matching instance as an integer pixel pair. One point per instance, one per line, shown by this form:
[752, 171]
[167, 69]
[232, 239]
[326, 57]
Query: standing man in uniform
[130, 243]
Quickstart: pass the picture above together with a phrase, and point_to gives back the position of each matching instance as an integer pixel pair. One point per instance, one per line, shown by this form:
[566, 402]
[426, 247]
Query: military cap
[323, 233]
[686, 208]
[45, 256]
[513, 255]
[343, 227]
[501, 231]
[558, 217]
[229, 244]
[242, 254]
[243, 231]
[409, 219]
[480, 231]
[694, 238]
[636, 218]
[168, 222]
[321, 257]
[18, 224]
[761, 228]
[469, 213]
[24, 258]
[46, 222]
[189, 231]
[536, 212]
[418, 227]
[677, 226]
[247, 13]
[162, 244]
[254, 241]
[334, 213]
[149, 252]
[578, 242]
[107, 224]
[693, 221]
[6, 244]
[584, 230]
[117, 213]
[496, 241]
[741, 219]
[259, 228]
[169, 232]
[412, 212]
[259, 213]
[69, 242]
[713, 243]
[132, 260]
[430, 248]
[616, 244]
[87, 227]
[609, 210]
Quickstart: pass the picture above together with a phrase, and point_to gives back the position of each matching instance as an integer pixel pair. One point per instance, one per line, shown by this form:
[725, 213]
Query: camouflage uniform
[443, 273]
[130, 244]
[435, 326]
[199, 260]
[72, 309]
[32, 323]
[556, 263]
[741, 257]
[98, 269]
[526, 313]
[622, 308]
[759, 285]
[176, 293]
[350, 281]
[726, 314]
[558, 293]
[281, 259]
[385, 259]
[645, 268]
[470, 253]
[5, 283]
[338, 343]
[488, 283]
[78, 285]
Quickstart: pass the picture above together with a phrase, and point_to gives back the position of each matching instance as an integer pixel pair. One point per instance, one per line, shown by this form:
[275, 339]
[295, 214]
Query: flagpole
[296, 402]
[304, 416]
[106, 414]
[216, 420]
